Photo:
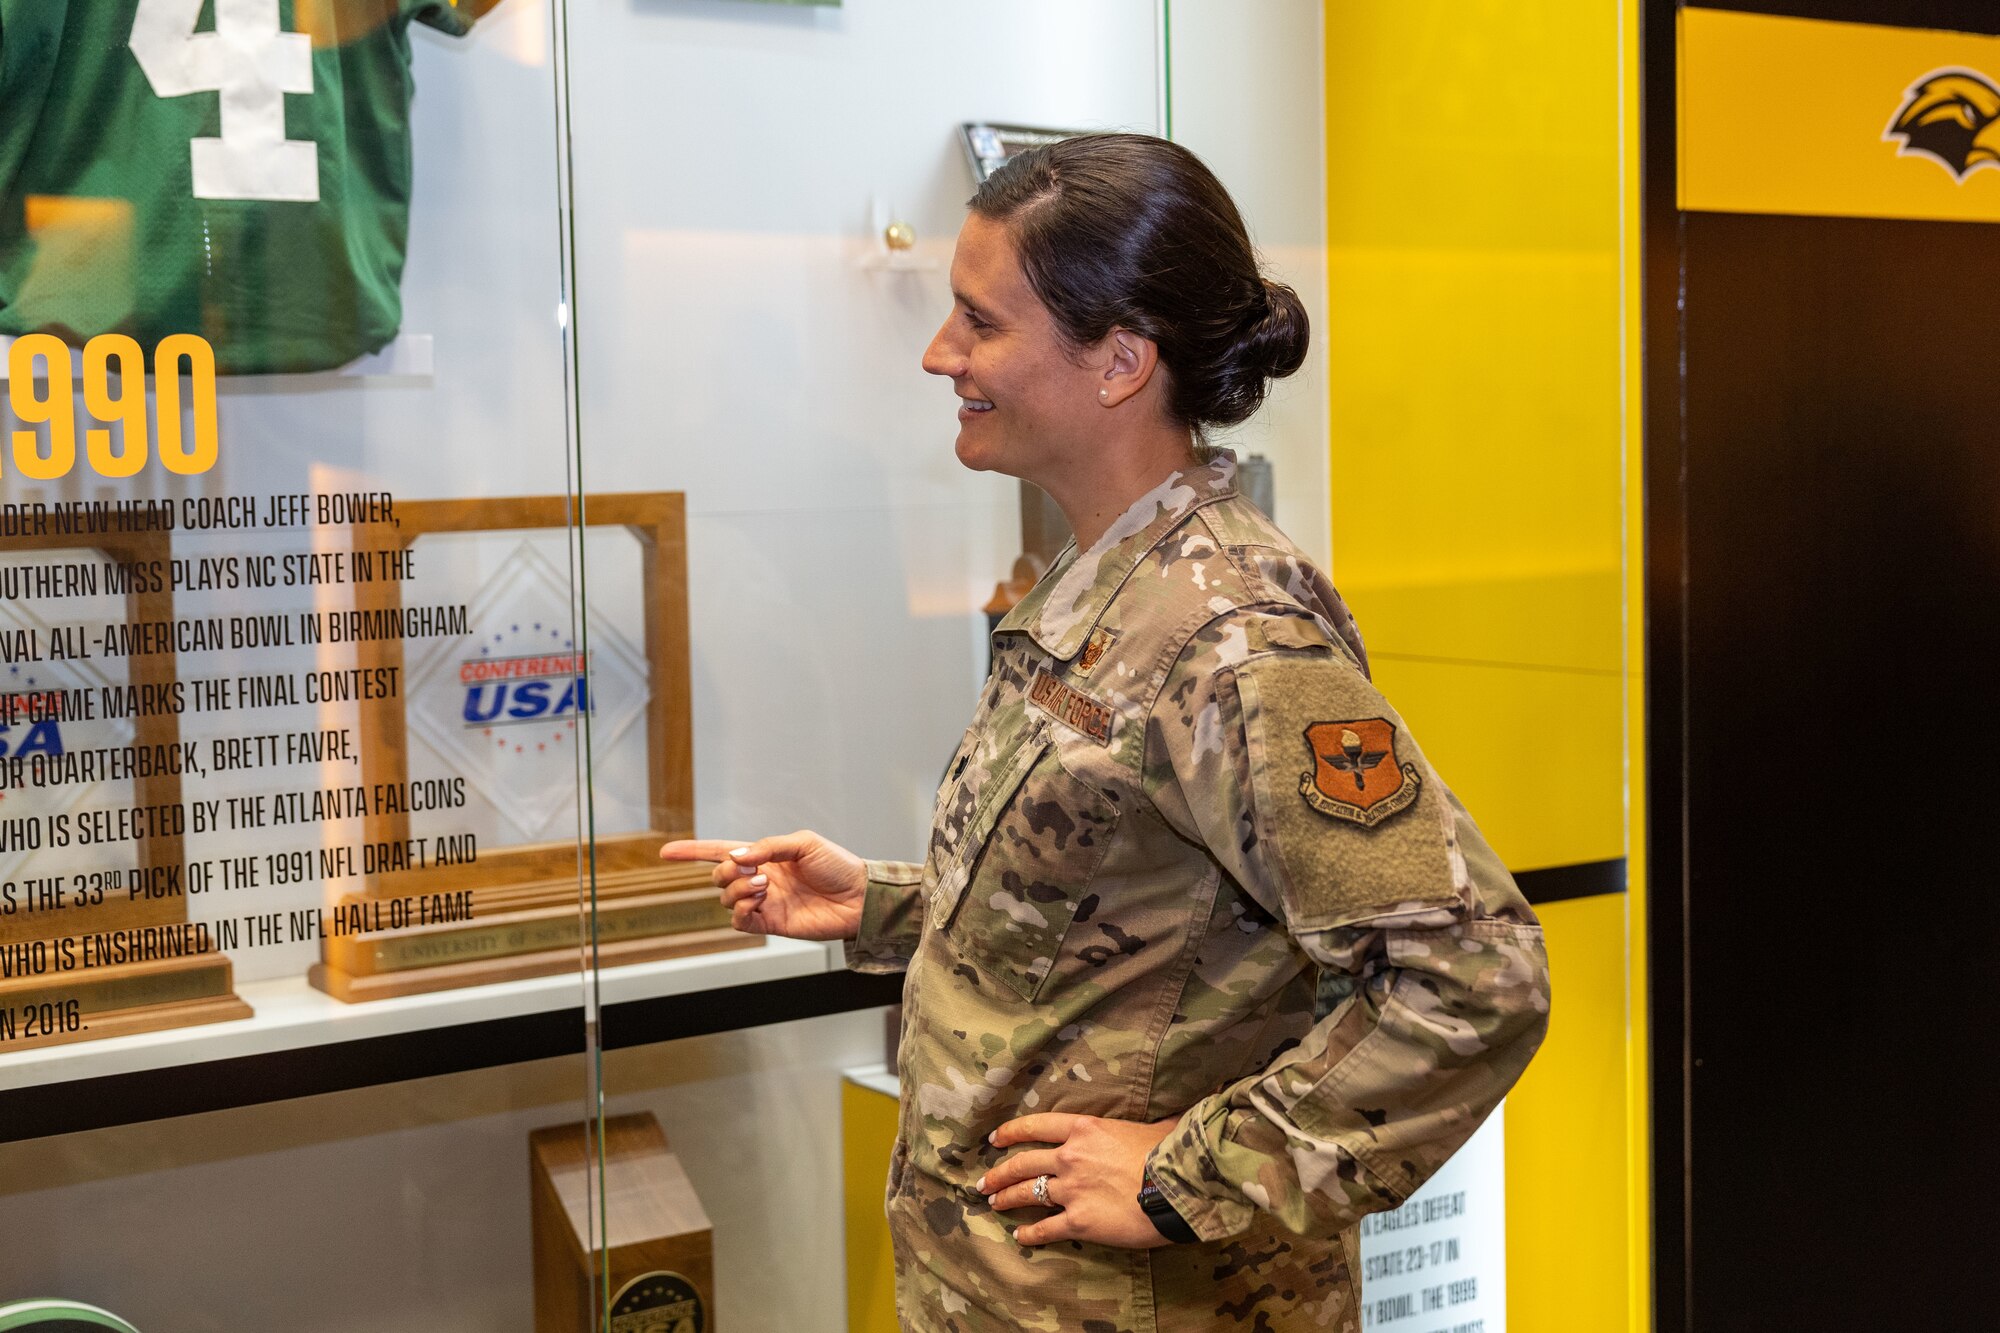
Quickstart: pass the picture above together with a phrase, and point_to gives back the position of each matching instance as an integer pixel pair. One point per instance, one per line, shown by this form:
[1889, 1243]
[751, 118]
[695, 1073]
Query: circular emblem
[658, 1302]
[49, 1316]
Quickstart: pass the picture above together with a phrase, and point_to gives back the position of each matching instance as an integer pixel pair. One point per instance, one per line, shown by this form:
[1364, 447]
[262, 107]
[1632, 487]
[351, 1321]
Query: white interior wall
[731, 160]
[1247, 81]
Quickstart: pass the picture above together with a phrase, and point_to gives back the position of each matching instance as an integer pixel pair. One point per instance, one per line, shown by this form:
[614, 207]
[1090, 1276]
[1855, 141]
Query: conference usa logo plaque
[504, 706]
[494, 711]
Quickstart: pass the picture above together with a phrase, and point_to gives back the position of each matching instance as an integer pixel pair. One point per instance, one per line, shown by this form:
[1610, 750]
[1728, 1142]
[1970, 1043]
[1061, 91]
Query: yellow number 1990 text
[42, 391]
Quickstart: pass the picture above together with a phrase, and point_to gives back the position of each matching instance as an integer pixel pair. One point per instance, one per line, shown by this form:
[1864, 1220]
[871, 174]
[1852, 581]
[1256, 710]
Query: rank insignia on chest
[1093, 651]
[1071, 707]
[1356, 773]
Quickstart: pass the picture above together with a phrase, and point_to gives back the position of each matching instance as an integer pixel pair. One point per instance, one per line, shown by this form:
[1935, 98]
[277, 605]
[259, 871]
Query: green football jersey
[238, 169]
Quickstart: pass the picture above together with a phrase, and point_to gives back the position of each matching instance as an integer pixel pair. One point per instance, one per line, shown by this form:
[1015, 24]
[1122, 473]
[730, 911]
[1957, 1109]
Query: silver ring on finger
[1042, 1190]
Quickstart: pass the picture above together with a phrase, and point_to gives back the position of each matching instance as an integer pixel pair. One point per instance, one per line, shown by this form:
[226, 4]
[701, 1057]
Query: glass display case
[283, 295]
[454, 446]
[249, 340]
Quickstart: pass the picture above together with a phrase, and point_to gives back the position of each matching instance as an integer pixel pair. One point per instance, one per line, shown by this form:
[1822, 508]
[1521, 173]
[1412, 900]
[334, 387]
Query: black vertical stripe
[1823, 558]
[1665, 545]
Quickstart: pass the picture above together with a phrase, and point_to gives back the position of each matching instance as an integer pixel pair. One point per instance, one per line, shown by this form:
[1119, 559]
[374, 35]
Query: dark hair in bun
[1125, 230]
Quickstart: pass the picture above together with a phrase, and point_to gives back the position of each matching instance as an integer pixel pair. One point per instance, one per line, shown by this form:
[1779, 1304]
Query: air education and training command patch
[1356, 775]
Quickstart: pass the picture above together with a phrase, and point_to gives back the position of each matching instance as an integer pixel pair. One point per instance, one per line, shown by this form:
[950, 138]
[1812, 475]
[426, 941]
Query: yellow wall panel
[1475, 413]
[1455, 123]
[1638, 1082]
[1537, 756]
[1481, 177]
[1568, 621]
[1566, 1217]
[867, 1134]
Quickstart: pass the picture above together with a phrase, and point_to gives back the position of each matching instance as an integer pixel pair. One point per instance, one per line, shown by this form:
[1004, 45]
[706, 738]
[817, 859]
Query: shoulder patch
[1356, 773]
[1349, 819]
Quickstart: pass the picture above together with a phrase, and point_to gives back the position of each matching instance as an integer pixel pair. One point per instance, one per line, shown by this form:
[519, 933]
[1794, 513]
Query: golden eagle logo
[1952, 115]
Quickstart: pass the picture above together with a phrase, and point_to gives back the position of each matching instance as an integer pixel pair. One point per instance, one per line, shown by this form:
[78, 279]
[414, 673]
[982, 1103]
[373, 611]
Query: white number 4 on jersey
[253, 64]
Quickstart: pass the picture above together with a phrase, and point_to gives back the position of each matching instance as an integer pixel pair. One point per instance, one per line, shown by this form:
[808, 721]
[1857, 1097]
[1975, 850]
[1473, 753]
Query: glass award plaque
[989, 144]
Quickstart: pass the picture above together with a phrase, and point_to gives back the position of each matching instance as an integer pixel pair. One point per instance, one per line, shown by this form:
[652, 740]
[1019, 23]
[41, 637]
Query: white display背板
[1438, 1264]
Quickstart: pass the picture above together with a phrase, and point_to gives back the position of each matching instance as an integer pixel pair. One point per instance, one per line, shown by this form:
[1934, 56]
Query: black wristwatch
[1162, 1215]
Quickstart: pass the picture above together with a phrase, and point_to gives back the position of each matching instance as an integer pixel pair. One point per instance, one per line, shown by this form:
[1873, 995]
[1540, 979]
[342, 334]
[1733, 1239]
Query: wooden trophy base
[121, 1000]
[514, 931]
[656, 1253]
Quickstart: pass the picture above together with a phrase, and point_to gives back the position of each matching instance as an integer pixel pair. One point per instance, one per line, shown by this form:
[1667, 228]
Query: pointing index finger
[698, 849]
[779, 847]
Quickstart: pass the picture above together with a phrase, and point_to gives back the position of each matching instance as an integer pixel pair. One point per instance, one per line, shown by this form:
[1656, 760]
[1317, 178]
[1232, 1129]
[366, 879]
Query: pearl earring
[1105, 394]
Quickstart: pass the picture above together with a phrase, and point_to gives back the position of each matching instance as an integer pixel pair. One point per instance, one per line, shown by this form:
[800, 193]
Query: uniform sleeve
[1271, 748]
[892, 916]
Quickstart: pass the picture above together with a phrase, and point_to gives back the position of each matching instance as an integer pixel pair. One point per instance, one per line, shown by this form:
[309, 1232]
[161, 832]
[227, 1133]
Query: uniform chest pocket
[955, 804]
[1030, 869]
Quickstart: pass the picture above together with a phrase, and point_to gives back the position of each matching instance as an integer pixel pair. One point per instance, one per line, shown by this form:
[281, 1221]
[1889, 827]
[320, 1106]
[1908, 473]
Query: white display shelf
[290, 1015]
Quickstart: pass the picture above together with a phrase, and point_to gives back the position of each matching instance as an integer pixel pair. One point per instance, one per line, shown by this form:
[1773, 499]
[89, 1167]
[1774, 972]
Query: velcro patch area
[1352, 820]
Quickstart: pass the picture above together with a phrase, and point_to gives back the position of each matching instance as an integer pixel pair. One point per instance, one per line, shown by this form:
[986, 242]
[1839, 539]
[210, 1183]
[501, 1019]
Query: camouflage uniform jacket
[1180, 808]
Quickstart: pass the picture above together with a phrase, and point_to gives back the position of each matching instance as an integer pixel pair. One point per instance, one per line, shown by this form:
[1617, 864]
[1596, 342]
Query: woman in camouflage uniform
[1180, 806]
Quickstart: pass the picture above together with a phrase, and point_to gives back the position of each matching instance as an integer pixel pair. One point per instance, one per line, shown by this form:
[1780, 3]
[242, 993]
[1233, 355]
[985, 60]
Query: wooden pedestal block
[48, 1010]
[655, 1248]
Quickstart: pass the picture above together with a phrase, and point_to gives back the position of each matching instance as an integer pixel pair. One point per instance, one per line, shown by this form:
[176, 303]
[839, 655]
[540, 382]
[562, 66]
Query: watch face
[658, 1302]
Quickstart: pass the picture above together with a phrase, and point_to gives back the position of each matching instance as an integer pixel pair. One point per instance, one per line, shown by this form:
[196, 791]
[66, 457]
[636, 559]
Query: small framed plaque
[988, 143]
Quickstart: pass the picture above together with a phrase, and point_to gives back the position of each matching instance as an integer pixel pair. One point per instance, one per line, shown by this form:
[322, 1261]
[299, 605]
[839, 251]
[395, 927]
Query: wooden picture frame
[526, 902]
[658, 522]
